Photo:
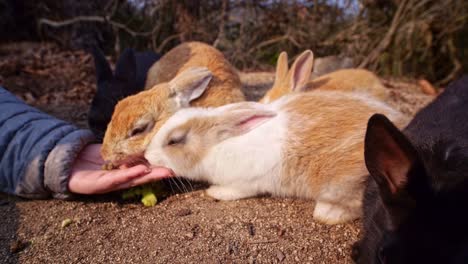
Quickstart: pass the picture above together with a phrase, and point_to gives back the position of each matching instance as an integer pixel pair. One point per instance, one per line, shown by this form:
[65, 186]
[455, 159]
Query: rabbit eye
[176, 140]
[141, 127]
[137, 131]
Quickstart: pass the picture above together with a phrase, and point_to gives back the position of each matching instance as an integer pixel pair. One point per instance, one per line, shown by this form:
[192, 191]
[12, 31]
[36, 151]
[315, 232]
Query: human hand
[88, 177]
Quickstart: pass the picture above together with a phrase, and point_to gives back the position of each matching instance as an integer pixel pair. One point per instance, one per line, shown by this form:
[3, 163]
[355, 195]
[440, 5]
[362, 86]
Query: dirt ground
[185, 227]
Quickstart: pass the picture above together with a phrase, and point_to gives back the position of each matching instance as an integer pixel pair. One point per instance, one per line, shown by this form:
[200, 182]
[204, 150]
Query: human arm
[41, 156]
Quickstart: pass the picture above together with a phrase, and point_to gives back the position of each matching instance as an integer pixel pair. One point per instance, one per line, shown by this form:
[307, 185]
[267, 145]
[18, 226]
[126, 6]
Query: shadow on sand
[10, 246]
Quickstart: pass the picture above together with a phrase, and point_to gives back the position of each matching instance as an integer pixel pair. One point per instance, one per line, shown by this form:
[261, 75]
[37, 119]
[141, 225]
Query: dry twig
[98, 19]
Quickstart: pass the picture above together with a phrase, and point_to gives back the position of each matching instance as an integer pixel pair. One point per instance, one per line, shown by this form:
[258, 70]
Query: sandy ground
[185, 227]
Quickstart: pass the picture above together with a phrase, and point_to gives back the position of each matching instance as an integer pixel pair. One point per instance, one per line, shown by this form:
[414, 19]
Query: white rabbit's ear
[281, 68]
[301, 70]
[190, 85]
[240, 121]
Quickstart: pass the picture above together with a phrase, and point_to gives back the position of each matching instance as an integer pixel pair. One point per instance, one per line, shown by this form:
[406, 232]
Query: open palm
[88, 177]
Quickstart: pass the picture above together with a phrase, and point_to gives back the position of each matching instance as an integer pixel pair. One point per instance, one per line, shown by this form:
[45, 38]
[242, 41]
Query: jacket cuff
[59, 163]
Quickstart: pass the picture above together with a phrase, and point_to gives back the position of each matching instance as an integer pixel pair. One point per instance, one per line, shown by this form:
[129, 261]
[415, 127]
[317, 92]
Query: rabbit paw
[334, 214]
[227, 193]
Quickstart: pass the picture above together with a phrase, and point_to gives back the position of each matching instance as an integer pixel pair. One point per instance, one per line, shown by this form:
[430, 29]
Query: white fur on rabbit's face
[168, 147]
[231, 147]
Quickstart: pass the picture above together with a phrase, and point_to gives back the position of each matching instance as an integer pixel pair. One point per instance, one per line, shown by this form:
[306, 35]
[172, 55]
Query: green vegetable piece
[149, 199]
[147, 193]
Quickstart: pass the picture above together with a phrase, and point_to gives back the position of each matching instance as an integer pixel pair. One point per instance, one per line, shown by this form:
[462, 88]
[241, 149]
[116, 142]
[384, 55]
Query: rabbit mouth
[135, 160]
[127, 162]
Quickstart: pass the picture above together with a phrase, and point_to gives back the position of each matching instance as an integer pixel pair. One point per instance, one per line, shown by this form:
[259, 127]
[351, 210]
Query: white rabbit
[307, 145]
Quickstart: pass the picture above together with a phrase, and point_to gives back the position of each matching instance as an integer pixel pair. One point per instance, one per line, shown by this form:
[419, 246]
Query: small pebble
[281, 232]
[280, 255]
[18, 246]
[251, 228]
[233, 248]
[66, 222]
[183, 212]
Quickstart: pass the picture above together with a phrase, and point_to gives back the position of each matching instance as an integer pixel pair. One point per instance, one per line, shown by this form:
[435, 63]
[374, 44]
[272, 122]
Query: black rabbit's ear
[103, 70]
[126, 67]
[391, 160]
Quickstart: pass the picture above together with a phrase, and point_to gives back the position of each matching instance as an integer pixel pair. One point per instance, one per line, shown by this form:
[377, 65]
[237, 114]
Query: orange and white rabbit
[307, 145]
[297, 79]
[191, 74]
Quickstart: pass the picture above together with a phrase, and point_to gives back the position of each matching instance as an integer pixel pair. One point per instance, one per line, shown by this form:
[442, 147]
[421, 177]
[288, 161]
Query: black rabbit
[129, 78]
[416, 200]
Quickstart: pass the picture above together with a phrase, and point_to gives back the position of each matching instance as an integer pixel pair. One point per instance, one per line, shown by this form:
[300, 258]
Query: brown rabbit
[315, 150]
[225, 86]
[175, 81]
[298, 79]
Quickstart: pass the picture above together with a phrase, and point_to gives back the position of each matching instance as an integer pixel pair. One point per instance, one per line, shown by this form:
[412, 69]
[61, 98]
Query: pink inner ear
[252, 122]
[301, 73]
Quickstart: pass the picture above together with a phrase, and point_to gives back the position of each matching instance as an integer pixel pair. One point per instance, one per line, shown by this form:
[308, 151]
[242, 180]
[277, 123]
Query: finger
[155, 175]
[123, 166]
[162, 171]
[119, 177]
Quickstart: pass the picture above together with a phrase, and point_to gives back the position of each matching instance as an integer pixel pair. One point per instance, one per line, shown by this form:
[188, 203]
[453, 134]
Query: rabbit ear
[103, 70]
[301, 70]
[240, 121]
[393, 163]
[281, 68]
[190, 85]
[389, 155]
[126, 67]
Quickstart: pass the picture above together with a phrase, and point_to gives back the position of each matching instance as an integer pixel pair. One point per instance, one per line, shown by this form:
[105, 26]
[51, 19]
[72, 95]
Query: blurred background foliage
[414, 38]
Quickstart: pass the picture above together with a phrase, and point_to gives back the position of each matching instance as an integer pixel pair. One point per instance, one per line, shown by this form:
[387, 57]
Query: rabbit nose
[153, 159]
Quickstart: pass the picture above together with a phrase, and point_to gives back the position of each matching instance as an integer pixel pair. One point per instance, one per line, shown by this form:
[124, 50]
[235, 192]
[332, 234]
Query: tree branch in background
[273, 41]
[98, 19]
[457, 66]
[398, 37]
[383, 45]
[166, 41]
